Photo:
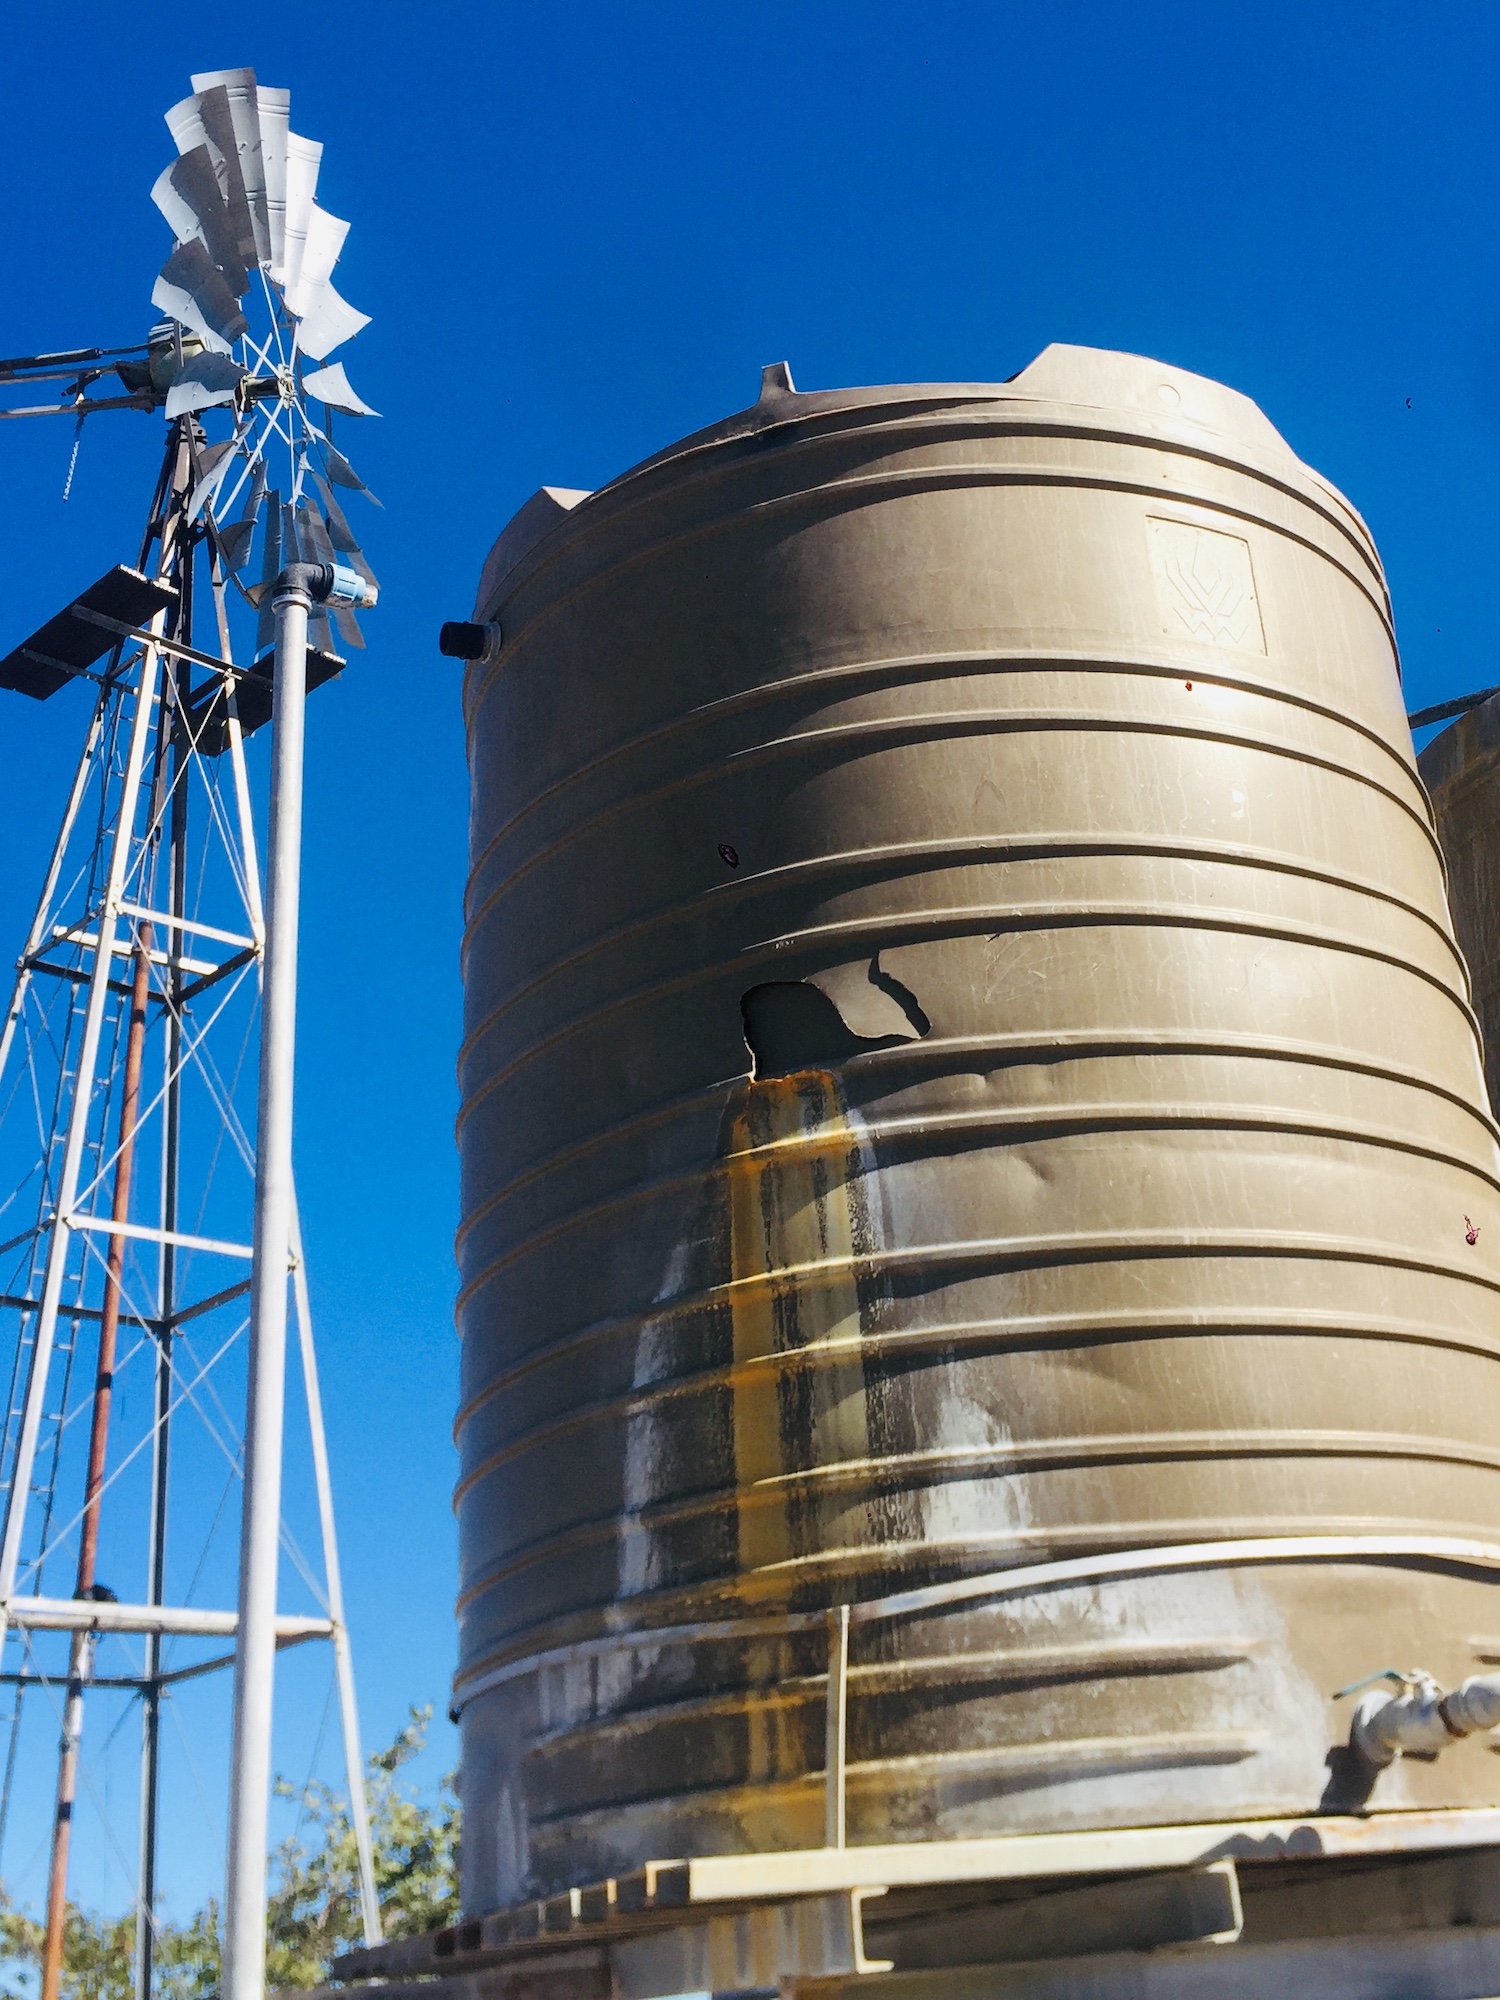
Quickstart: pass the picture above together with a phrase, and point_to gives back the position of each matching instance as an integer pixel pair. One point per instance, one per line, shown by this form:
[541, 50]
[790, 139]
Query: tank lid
[1100, 378]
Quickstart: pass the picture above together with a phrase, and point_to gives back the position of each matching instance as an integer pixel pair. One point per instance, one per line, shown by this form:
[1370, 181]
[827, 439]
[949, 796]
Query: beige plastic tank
[1021, 771]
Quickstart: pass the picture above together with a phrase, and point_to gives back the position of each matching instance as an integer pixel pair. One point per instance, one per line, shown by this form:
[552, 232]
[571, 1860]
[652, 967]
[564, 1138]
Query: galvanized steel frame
[148, 709]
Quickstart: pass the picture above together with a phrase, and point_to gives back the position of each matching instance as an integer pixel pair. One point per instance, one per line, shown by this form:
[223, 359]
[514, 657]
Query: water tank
[966, 1065]
[1461, 768]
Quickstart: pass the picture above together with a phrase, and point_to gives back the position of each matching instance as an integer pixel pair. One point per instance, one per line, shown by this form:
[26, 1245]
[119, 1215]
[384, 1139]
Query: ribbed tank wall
[1034, 758]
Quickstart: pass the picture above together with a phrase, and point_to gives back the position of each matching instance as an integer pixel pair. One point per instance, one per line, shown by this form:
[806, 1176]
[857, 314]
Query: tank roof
[1156, 397]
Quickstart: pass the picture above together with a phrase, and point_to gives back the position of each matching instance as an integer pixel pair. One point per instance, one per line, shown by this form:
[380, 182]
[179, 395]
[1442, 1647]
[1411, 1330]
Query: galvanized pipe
[255, 1651]
[161, 1437]
[294, 593]
[343, 1658]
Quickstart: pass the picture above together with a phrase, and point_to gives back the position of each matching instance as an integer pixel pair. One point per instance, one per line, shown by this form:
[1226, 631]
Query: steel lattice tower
[125, 1229]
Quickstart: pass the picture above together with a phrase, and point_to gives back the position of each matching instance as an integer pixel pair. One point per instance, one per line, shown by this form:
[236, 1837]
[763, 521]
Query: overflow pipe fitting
[460, 640]
[1421, 1717]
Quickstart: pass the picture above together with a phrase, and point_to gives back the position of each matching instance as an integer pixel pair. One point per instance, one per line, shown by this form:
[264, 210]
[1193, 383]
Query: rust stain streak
[794, 1208]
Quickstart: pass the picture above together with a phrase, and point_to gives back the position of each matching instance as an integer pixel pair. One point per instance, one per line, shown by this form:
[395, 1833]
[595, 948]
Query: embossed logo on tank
[1206, 586]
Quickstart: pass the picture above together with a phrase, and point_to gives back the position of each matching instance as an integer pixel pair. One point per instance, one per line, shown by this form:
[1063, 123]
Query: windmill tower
[148, 1232]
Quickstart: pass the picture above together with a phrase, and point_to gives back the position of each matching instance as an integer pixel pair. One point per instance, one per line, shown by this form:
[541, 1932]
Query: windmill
[125, 1238]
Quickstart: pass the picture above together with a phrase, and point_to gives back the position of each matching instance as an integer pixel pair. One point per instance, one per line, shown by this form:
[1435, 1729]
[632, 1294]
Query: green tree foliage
[314, 1909]
[99, 1953]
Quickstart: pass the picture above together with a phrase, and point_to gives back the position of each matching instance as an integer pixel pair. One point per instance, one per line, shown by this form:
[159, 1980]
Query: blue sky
[581, 229]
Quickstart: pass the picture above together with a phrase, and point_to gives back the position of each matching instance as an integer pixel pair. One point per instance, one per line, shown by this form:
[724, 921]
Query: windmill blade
[195, 293]
[211, 464]
[303, 158]
[291, 542]
[185, 123]
[319, 633]
[235, 540]
[331, 386]
[240, 98]
[207, 379]
[274, 108]
[339, 531]
[329, 324]
[342, 473]
[182, 216]
[348, 626]
[270, 569]
[314, 537]
[342, 535]
[321, 246]
[187, 193]
[218, 122]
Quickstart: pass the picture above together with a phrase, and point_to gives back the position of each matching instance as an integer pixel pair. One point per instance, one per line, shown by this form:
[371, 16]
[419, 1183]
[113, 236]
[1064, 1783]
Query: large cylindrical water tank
[1022, 772]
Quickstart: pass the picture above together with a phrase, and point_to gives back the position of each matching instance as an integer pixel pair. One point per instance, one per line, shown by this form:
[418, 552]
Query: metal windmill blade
[188, 195]
[211, 464]
[206, 118]
[242, 193]
[304, 158]
[270, 569]
[314, 537]
[342, 473]
[195, 292]
[298, 544]
[273, 111]
[332, 386]
[207, 380]
[235, 540]
[231, 117]
[340, 534]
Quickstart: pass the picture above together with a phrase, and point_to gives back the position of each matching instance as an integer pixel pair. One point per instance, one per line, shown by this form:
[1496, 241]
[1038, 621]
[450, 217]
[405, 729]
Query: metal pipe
[255, 1650]
[81, 1657]
[80, 1663]
[241, 778]
[342, 1656]
[836, 1727]
[67, 1614]
[161, 1434]
[1443, 711]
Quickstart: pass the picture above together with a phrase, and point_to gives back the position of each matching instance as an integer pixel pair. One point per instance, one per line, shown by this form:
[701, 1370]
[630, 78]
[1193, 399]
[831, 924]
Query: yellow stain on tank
[797, 1227]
